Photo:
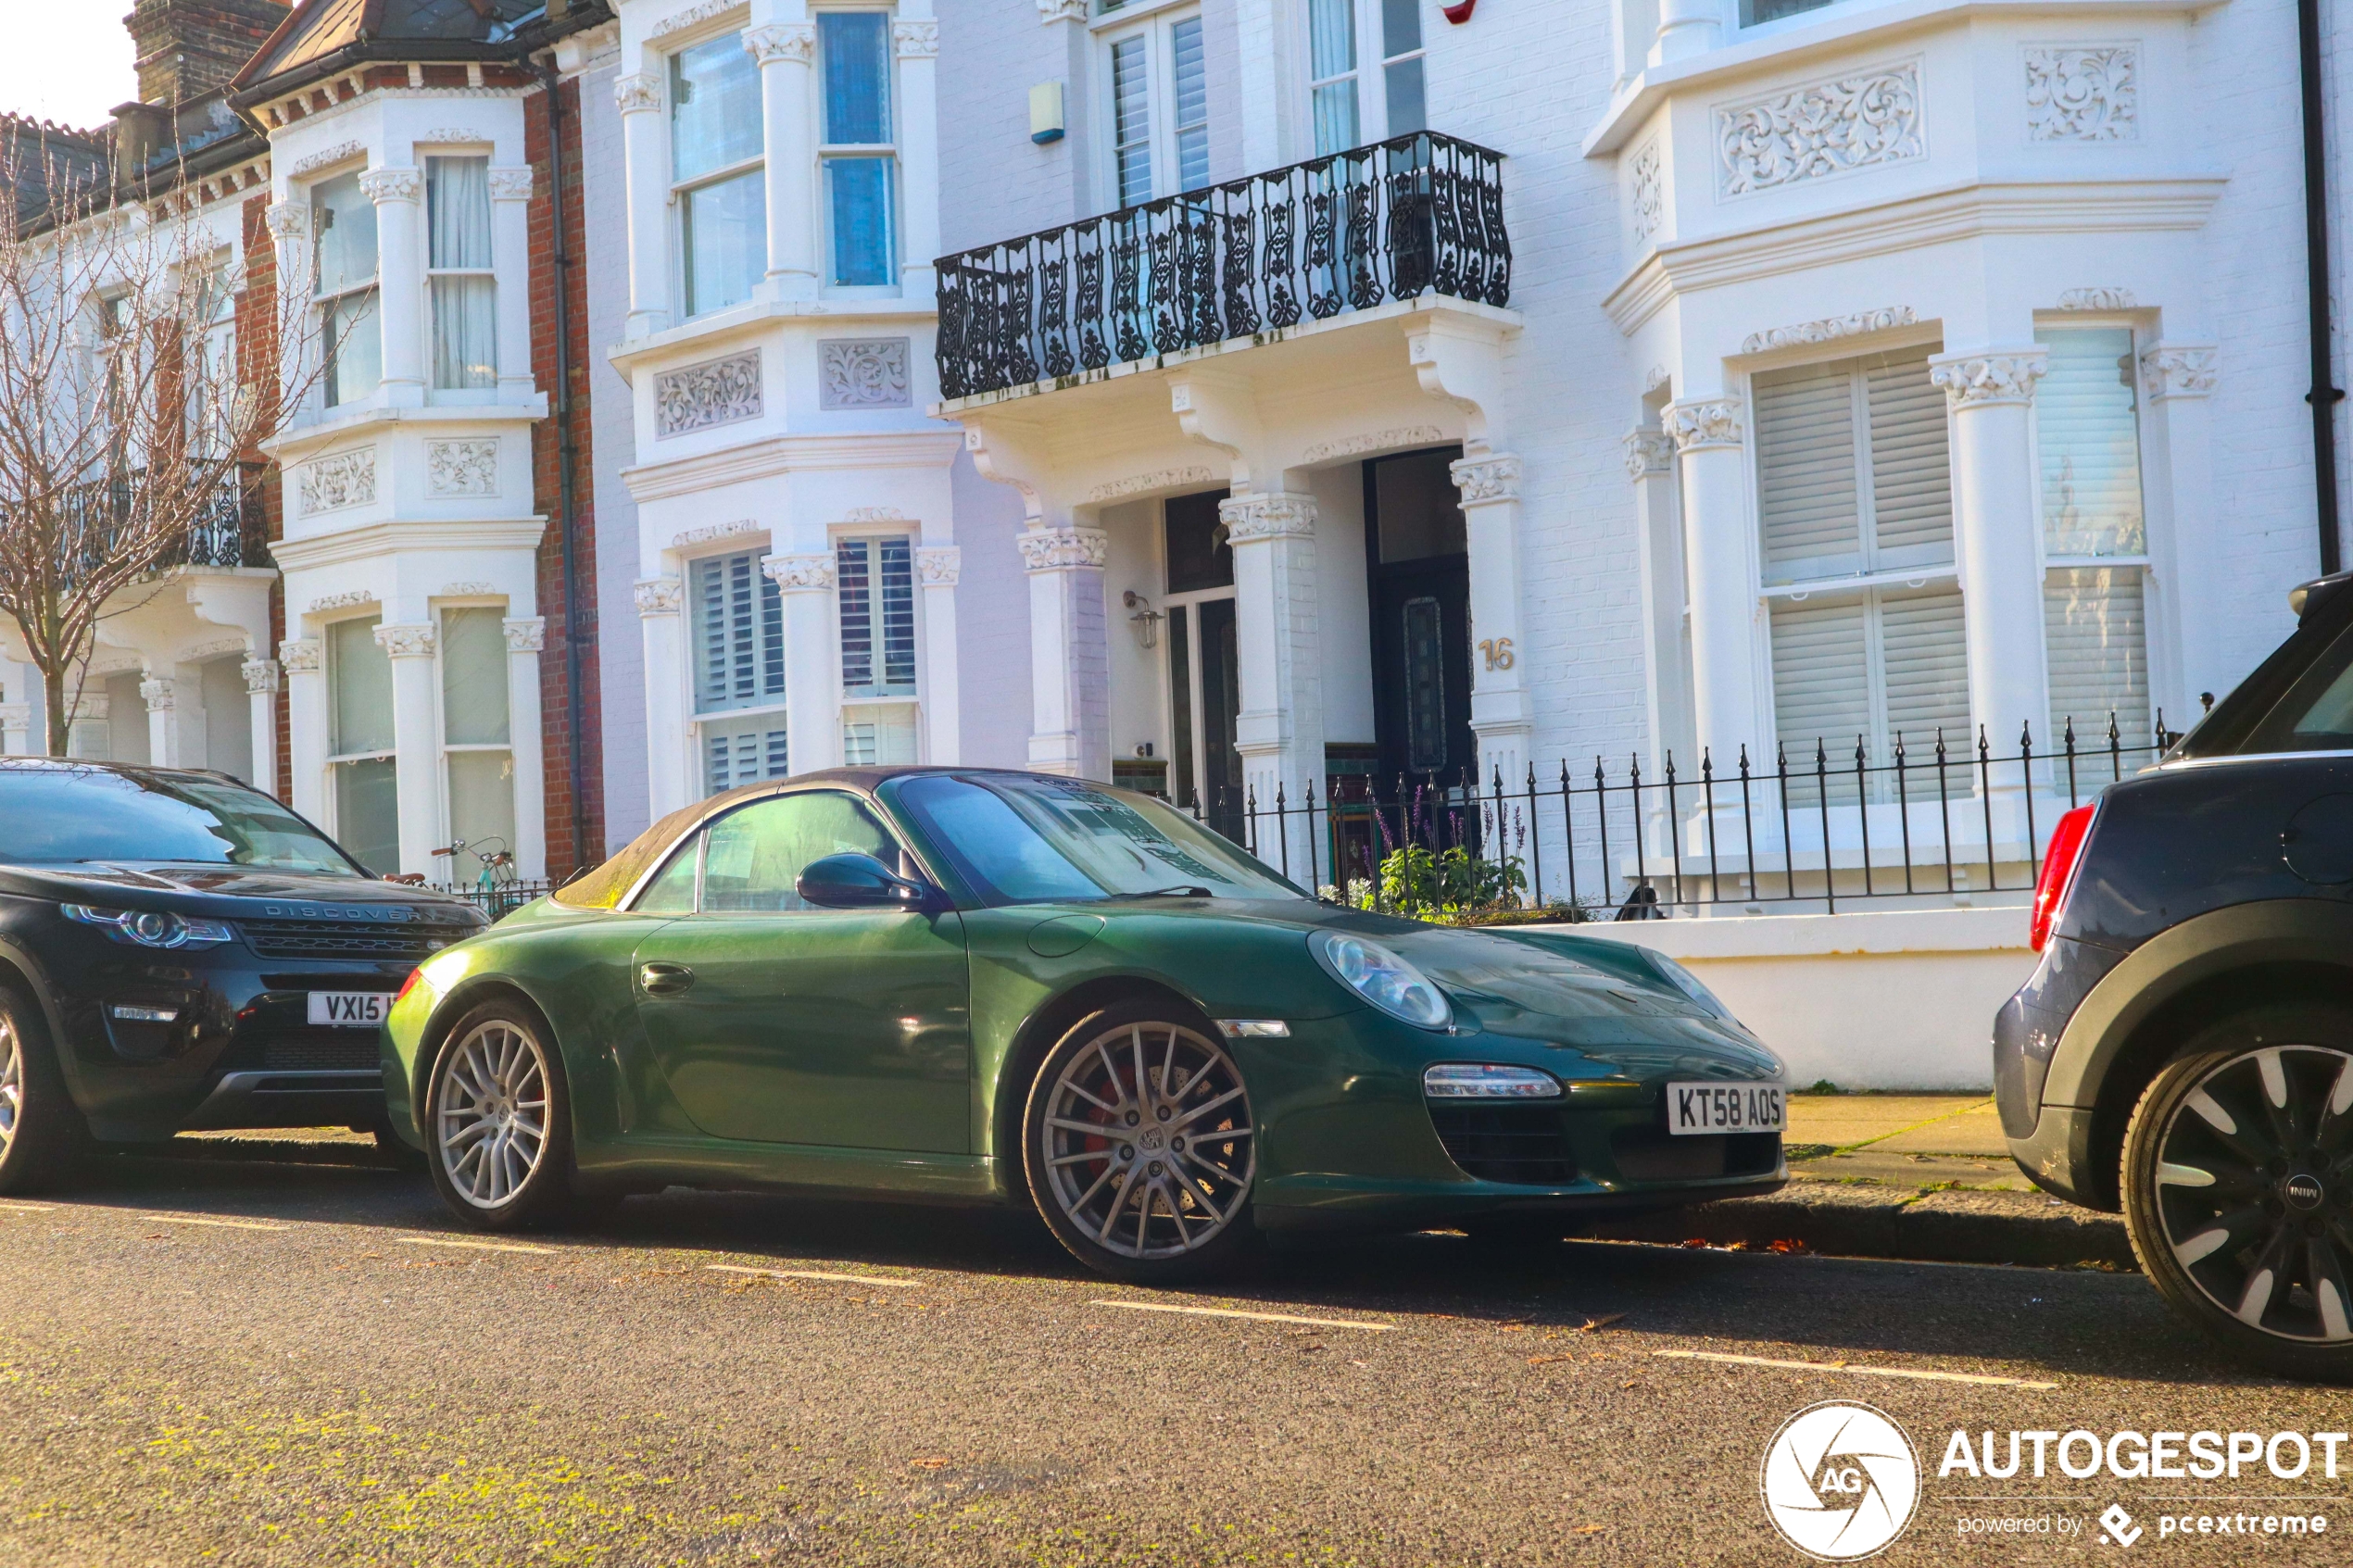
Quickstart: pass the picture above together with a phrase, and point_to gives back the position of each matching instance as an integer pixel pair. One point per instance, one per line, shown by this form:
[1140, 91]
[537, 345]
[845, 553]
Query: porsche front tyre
[1139, 1148]
[498, 1120]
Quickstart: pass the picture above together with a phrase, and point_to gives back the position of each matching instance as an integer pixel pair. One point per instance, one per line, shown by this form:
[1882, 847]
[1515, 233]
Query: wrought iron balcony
[102, 518]
[1413, 216]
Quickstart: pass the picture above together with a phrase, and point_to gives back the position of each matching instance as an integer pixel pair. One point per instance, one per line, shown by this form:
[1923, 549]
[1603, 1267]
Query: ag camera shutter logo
[1841, 1481]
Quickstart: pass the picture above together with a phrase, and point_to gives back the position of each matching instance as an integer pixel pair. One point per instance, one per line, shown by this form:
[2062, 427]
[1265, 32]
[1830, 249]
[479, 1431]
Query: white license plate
[1724, 1108]
[349, 1009]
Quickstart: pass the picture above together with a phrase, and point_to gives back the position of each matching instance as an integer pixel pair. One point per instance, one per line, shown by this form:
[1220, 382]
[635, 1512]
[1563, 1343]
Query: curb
[1939, 1226]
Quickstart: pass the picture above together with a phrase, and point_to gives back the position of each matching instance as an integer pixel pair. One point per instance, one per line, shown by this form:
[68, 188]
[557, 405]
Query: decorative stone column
[510, 253]
[1069, 653]
[1686, 28]
[1658, 511]
[784, 51]
[415, 743]
[1720, 544]
[289, 224]
[668, 762]
[937, 567]
[161, 695]
[525, 637]
[400, 281]
[812, 660]
[1501, 717]
[646, 168]
[1280, 732]
[915, 37]
[2186, 543]
[1995, 485]
[307, 724]
[261, 704]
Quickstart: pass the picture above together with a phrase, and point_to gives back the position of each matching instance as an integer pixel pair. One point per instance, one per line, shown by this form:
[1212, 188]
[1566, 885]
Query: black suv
[2184, 1050]
[178, 951]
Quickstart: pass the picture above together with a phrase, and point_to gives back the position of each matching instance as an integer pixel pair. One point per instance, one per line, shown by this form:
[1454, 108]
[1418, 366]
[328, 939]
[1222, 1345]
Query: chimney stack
[188, 48]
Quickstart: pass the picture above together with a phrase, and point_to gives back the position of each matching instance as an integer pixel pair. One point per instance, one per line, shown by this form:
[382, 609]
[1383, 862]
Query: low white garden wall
[1869, 1001]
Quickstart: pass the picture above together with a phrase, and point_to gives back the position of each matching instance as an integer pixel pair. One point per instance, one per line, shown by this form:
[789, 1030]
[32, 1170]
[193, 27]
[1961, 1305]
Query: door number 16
[1497, 651]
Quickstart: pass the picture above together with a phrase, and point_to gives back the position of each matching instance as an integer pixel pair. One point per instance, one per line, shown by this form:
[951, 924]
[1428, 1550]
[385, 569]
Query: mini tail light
[2058, 873]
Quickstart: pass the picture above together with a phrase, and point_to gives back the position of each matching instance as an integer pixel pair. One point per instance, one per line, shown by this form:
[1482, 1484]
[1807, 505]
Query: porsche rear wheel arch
[2262, 1100]
[1138, 1145]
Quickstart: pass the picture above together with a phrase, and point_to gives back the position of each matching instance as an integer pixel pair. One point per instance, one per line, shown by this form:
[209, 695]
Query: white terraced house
[1756, 459]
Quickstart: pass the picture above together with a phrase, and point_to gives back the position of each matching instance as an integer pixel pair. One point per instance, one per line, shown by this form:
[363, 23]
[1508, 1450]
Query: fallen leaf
[927, 1464]
[1589, 1529]
[1594, 1325]
[1736, 1247]
[1541, 1361]
[1786, 1245]
[1626, 1385]
[1696, 1241]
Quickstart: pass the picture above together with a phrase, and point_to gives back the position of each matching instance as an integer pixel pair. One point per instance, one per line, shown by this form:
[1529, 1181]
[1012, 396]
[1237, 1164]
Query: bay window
[718, 185]
[1869, 642]
[858, 158]
[739, 631]
[477, 747]
[457, 260]
[875, 585]
[2094, 536]
[344, 288]
[366, 795]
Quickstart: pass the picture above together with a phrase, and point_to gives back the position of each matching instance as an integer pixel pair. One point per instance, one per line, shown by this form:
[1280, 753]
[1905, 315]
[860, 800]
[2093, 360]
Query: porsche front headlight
[1384, 979]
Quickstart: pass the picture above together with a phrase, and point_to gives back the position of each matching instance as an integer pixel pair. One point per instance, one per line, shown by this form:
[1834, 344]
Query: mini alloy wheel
[1141, 1148]
[2239, 1197]
[500, 1116]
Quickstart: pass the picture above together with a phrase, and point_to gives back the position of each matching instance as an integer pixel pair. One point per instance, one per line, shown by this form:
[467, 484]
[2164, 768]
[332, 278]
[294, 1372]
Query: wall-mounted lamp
[1046, 112]
[1143, 617]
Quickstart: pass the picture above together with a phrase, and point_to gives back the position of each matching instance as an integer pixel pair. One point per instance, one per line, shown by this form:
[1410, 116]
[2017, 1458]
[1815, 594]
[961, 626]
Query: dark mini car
[965, 985]
[178, 951]
[2185, 1049]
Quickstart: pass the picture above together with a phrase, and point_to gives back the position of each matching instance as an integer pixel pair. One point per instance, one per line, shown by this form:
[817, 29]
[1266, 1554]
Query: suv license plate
[349, 1009]
[1724, 1108]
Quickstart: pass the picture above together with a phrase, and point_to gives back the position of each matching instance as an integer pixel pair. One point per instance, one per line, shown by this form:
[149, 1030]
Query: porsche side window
[751, 858]
[673, 892]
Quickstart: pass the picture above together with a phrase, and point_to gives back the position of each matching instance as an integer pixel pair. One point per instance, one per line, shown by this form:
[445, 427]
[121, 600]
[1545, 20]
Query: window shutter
[853, 584]
[898, 563]
[1924, 658]
[2094, 620]
[1911, 465]
[742, 751]
[1805, 472]
[875, 582]
[1821, 680]
[739, 634]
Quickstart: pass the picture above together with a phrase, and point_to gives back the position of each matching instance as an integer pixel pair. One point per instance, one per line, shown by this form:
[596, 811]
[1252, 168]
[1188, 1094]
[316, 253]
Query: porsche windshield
[55, 814]
[1019, 839]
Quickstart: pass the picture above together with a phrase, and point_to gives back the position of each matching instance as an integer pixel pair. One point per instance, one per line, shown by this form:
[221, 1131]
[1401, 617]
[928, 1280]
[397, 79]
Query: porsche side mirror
[855, 881]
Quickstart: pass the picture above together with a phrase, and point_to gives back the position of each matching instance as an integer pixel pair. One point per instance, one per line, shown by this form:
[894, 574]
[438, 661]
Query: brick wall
[257, 364]
[572, 626]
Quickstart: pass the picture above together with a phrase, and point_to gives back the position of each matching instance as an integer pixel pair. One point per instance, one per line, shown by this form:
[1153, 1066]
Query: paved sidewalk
[1917, 1141]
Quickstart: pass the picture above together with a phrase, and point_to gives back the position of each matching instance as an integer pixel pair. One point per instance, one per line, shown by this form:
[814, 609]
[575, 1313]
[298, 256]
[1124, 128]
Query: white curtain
[465, 297]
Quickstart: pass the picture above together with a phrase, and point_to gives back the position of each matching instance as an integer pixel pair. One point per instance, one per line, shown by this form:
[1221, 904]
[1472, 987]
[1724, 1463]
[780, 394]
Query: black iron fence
[1414, 215]
[499, 900]
[1820, 829]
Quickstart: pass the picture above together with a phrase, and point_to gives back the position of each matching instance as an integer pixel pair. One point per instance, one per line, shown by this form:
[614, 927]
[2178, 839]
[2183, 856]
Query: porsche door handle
[665, 979]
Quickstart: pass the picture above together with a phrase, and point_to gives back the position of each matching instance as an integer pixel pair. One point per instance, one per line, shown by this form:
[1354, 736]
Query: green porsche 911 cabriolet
[958, 985]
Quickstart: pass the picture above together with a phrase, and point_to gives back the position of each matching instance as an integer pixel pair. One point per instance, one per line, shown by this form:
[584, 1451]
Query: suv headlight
[1384, 979]
[152, 928]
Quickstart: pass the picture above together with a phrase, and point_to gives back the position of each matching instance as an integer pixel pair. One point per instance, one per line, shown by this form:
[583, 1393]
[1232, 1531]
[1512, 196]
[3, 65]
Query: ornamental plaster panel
[1702, 424]
[1644, 191]
[915, 40]
[469, 591]
[1485, 479]
[660, 595]
[939, 566]
[211, 648]
[288, 221]
[2099, 299]
[1371, 441]
[876, 514]
[1063, 549]
[400, 640]
[2172, 371]
[1823, 129]
[341, 152]
[525, 633]
[1970, 381]
[639, 93]
[795, 41]
[343, 601]
[161, 695]
[1053, 11]
[863, 373]
[337, 480]
[689, 538]
[262, 676]
[2082, 92]
[693, 16]
[703, 396]
[1251, 518]
[1648, 451]
[297, 656]
[812, 572]
[510, 184]
[462, 468]
[1828, 329]
[382, 185]
[1158, 479]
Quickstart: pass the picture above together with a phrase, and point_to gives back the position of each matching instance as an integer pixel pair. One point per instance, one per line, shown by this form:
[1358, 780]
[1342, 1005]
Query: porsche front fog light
[1487, 1080]
[1385, 980]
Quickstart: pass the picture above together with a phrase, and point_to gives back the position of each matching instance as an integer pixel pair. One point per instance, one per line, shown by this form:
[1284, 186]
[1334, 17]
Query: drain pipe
[2324, 395]
[567, 454]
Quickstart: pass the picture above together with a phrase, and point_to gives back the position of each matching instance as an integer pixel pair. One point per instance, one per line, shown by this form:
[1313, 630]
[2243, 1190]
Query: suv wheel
[2238, 1188]
[40, 1129]
[1139, 1148]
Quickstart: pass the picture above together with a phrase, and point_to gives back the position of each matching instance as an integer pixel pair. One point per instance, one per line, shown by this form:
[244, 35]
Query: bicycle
[493, 886]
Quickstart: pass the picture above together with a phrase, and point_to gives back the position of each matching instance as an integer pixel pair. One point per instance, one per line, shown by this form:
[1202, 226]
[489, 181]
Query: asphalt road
[254, 1362]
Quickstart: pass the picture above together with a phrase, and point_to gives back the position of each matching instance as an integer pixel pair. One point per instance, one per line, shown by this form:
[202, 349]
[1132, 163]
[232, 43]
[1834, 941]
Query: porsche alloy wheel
[2239, 1193]
[1141, 1149]
[491, 1112]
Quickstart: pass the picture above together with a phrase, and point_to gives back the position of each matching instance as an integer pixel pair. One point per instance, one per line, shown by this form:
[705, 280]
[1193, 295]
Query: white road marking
[225, 1224]
[474, 1246]
[26, 1207]
[1236, 1313]
[1859, 1370]
[810, 1274]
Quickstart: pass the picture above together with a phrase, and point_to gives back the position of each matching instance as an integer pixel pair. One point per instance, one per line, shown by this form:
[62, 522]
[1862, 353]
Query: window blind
[1131, 119]
[1911, 465]
[875, 580]
[742, 751]
[1805, 472]
[2095, 622]
[2086, 423]
[739, 634]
